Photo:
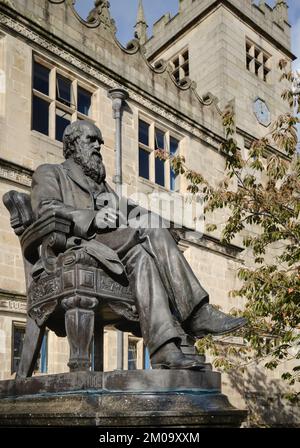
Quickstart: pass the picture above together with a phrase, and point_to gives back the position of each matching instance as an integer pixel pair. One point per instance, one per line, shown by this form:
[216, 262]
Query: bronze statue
[164, 286]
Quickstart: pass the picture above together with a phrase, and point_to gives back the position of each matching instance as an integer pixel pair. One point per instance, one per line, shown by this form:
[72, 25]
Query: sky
[124, 12]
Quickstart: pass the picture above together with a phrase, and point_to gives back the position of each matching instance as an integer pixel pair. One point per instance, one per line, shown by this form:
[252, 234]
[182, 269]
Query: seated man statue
[164, 286]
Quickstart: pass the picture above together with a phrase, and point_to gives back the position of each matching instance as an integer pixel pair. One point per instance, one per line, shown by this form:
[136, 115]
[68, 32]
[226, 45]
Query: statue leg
[188, 298]
[156, 319]
[79, 320]
[31, 348]
[184, 289]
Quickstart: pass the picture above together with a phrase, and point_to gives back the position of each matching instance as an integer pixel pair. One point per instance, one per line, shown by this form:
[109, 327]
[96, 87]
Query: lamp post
[118, 96]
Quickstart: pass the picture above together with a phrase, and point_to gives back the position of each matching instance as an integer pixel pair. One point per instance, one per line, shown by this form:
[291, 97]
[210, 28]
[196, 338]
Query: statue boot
[169, 356]
[210, 320]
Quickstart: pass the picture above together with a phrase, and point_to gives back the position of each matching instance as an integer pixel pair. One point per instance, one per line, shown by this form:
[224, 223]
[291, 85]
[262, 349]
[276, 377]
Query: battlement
[272, 22]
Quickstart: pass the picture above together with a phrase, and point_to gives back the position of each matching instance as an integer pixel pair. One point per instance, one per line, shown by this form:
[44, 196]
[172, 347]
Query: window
[144, 150]
[18, 333]
[132, 354]
[159, 164]
[18, 338]
[257, 61]
[58, 99]
[180, 66]
[174, 145]
[153, 138]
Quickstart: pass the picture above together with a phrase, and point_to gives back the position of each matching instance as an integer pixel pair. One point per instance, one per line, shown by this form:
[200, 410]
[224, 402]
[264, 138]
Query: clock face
[262, 112]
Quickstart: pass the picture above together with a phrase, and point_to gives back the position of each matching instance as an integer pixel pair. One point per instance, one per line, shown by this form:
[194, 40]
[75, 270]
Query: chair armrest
[54, 224]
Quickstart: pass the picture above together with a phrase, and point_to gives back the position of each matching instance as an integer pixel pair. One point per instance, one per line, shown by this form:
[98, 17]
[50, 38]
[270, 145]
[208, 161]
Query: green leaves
[177, 164]
[266, 196]
[284, 133]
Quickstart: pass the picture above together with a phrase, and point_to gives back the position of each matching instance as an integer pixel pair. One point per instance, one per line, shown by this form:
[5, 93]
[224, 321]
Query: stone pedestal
[148, 398]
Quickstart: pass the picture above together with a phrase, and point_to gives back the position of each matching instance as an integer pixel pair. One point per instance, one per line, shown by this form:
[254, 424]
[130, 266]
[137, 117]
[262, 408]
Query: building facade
[56, 67]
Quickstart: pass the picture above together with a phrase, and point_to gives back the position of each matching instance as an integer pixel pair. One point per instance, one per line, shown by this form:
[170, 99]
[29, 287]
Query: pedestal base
[148, 398]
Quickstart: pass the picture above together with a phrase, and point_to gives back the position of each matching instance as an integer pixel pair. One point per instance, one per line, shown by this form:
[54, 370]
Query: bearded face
[87, 155]
[91, 164]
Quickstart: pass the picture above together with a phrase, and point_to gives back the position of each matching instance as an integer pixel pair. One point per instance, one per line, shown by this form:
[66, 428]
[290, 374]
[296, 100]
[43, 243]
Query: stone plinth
[156, 398]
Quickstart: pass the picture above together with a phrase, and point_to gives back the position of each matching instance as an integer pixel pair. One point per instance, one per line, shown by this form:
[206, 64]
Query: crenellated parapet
[272, 22]
[280, 13]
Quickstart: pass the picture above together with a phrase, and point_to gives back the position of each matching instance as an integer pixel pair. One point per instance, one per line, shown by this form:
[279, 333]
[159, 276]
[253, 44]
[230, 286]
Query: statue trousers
[164, 285]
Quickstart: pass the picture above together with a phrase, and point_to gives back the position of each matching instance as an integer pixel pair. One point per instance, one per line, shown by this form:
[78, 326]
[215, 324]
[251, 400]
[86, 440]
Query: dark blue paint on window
[159, 139]
[144, 163]
[144, 132]
[62, 121]
[63, 90]
[159, 172]
[174, 143]
[41, 78]
[40, 115]
[84, 101]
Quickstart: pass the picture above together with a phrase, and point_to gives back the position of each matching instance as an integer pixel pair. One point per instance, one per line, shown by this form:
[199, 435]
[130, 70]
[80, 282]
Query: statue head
[82, 142]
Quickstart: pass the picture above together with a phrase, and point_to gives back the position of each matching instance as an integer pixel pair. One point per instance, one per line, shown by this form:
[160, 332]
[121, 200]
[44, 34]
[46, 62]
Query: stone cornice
[209, 243]
[43, 39]
[15, 173]
[12, 302]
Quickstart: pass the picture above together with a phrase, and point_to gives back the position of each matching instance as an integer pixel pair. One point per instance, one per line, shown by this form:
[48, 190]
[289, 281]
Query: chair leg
[98, 348]
[79, 320]
[31, 348]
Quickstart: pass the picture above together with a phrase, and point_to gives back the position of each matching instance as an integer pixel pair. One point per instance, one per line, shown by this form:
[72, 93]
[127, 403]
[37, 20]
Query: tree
[262, 190]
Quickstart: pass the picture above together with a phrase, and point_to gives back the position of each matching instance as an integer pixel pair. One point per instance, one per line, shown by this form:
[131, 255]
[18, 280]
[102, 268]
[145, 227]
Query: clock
[262, 112]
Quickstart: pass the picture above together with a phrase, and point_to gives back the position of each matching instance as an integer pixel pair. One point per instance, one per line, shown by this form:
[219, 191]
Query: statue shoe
[210, 320]
[169, 356]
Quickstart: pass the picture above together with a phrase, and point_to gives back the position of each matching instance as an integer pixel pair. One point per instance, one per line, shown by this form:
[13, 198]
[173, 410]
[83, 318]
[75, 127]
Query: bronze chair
[68, 291]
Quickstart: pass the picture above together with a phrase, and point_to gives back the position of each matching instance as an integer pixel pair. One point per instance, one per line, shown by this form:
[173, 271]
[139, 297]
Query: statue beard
[91, 164]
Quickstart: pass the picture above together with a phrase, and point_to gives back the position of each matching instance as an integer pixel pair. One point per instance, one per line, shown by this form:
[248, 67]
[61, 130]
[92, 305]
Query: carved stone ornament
[8, 3]
[43, 288]
[101, 14]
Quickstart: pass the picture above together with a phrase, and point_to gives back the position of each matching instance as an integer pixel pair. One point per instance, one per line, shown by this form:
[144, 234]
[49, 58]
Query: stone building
[56, 67]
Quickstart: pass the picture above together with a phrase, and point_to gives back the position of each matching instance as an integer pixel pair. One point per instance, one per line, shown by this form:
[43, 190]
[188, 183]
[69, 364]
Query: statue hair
[71, 134]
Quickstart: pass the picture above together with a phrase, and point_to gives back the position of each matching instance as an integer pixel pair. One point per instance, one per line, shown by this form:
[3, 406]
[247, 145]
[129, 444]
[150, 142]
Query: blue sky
[124, 12]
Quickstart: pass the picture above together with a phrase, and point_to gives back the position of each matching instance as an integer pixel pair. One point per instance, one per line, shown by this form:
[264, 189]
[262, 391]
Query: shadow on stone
[264, 399]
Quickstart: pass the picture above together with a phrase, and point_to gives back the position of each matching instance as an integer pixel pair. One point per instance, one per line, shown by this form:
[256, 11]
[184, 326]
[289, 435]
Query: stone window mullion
[167, 162]
[152, 153]
[74, 99]
[52, 109]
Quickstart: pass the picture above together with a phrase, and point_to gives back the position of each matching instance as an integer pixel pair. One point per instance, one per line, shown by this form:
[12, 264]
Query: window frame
[52, 99]
[258, 61]
[151, 148]
[135, 340]
[181, 70]
[22, 325]
[15, 324]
